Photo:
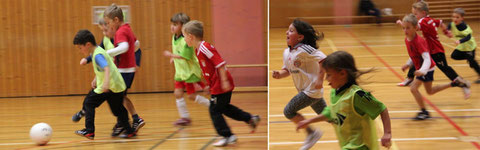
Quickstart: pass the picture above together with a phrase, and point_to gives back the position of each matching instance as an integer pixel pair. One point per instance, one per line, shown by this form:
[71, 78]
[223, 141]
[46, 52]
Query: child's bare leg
[432, 90]
[418, 96]
[299, 118]
[129, 106]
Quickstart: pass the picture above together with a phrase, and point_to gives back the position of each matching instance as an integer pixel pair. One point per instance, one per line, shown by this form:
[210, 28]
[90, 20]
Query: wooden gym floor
[455, 120]
[158, 110]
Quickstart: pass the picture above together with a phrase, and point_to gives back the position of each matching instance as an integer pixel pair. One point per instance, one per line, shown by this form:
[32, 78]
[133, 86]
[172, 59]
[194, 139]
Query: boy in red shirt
[220, 84]
[124, 55]
[424, 66]
[429, 26]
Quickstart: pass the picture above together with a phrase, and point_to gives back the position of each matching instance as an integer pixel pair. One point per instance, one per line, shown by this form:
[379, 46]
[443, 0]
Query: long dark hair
[311, 36]
[341, 60]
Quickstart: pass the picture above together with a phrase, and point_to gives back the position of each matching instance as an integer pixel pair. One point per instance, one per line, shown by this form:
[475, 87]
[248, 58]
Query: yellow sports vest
[469, 45]
[107, 43]
[185, 70]
[117, 84]
[353, 130]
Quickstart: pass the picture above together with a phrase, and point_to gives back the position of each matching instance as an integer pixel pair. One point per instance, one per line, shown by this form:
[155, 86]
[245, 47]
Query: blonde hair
[194, 27]
[113, 11]
[410, 18]
[422, 6]
[101, 21]
[180, 17]
[459, 11]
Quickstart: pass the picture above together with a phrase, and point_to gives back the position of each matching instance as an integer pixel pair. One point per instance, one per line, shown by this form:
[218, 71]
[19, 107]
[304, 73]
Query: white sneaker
[405, 82]
[225, 141]
[466, 92]
[311, 139]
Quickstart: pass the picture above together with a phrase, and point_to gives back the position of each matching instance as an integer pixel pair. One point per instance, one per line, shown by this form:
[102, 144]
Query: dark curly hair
[311, 36]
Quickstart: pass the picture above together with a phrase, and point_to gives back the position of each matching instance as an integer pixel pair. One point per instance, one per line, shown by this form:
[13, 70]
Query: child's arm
[171, 55]
[445, 30]
[106, 80]
[278, 74]
[407, 65]
[120, 49]
[304, 123]
[387, 130]
[321, 76]
[137, 45]
[94, 83]
[223, 78]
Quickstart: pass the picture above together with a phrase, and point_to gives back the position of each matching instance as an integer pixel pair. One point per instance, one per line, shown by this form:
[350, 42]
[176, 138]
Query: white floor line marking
[131, 140]
[395, 139]
[396, 112]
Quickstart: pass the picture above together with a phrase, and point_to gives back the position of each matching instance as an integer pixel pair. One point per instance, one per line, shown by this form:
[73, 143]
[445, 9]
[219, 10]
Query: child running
[107, 85]
[428, 26]
[220, 84]
[464, 40]
[187, 70]
[302, 61]
[424, 66]
[353, 110]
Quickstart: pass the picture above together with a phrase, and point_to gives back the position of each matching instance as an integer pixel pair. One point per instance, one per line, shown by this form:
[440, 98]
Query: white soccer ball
[41, 133]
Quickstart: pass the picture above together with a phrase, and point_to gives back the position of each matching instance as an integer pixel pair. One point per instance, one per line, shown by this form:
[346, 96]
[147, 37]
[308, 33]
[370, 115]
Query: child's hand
[449, 34]
[206, 90]
[105, 88]
[419, 73]
[399, 22]
[172, 59]
[276, 74]
[457, 42]
[167, 53]
[386, 140]
[318, 84]
[83, 61]
[225, 85]
[302, 124]
[405, 67]
[94, 84]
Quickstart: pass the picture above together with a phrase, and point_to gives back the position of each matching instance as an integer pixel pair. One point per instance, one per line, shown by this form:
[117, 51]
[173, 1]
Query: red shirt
[428, 26]
[210, 61]
[127, 59]
[415, 48]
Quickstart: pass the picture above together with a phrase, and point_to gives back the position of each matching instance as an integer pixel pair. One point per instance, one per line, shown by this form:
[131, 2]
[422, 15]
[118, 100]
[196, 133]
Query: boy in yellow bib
[107, 85]
[464, 39]
[352, 110]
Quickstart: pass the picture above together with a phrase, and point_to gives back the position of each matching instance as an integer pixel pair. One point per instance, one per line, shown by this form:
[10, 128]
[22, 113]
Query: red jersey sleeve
[212, 55]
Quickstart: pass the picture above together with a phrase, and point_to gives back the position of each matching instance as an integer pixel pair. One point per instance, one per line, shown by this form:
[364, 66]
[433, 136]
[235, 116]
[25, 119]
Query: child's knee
[192, 96]
[178, 94]
[289, 114]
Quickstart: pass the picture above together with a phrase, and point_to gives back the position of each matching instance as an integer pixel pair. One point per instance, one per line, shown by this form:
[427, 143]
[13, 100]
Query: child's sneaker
[77, 116]
[466, 92]
[422, 116]
[85, 133]
[460, 82]
[182, 122]
[128, 135]
[117, 130]
[405, 82]
[225, 141]
[311, 139]
[137, 124]
[253, 123]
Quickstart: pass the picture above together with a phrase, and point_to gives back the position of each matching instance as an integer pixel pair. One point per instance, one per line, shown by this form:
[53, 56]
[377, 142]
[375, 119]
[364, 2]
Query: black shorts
[426, 78]
[128, 78]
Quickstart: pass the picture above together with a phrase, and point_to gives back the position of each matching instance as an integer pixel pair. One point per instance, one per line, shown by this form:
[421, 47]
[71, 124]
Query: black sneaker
[77, 116]
[85, 133]
[137, 124]
[477, 81]
[422, 116]
[128, 135]
[253, 123]
[117, 130]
